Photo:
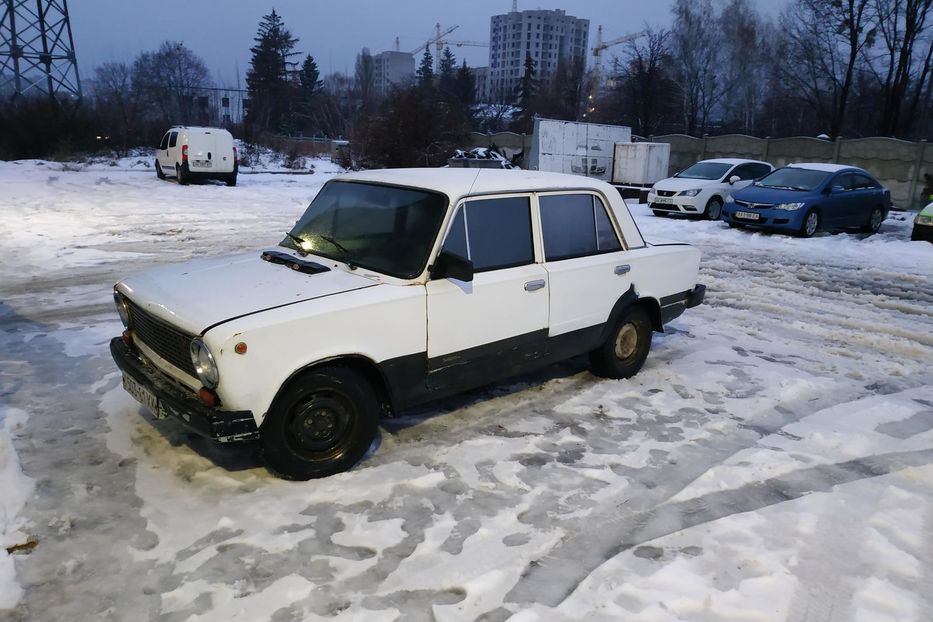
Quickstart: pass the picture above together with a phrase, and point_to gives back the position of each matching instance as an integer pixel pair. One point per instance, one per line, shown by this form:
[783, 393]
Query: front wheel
[874, 221]
[714, 209]
[811, 224]
[322, 423]
[159, 172]
[626, 349]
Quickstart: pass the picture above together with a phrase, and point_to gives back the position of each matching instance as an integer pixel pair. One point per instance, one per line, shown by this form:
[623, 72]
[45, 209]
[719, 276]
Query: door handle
[623, 269]
[532, 286]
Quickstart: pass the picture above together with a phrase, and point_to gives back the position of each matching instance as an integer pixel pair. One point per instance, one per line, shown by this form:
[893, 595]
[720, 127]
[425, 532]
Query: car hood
[201, 294]
[676, 184]
[757, 194]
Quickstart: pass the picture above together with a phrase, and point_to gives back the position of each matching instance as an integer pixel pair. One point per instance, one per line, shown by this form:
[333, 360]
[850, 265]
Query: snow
[772, 461]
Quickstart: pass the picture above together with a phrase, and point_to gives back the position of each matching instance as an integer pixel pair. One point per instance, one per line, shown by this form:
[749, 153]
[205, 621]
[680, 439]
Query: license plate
[748, 215]
[202, 163]
[142, 395]
[664, 200]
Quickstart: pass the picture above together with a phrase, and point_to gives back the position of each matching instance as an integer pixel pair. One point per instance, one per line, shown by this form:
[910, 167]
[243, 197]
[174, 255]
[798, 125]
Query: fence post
[703, 152]
[767, 148]
[915, 179]
[836, 149]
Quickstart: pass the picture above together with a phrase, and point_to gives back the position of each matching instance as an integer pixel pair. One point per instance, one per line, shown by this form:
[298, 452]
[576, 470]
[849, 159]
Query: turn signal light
[208, 397]
[127, 338]
[240, 348]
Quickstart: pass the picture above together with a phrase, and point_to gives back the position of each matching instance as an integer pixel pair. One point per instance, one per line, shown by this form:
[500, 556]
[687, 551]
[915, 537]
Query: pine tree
[271, 93]
[465, 87]
[425, 71]
[526, 95]
[310, 87]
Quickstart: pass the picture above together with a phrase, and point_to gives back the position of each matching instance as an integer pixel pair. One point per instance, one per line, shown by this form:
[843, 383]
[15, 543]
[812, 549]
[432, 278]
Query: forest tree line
[835, 67]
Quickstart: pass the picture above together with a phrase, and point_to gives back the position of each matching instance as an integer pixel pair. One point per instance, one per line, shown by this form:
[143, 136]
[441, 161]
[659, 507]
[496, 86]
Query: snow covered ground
[772, 461]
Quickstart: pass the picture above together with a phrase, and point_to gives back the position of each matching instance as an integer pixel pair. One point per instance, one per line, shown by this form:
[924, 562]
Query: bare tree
[115, 99]
[644, 88]
[898, 67]
[824, 42]
[170, 79]
[744, 50]
[695, 47]
[365, 80]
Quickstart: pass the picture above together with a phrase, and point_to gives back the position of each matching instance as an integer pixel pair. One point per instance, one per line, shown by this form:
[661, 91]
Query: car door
[865, 195]
[586, 268]
[835, 204]
[171, 155]
[162, 153]
[491, 327]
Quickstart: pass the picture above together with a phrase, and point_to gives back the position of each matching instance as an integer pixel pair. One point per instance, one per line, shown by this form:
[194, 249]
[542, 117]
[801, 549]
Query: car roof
[822, 166]
[734, 161]
[457, 182]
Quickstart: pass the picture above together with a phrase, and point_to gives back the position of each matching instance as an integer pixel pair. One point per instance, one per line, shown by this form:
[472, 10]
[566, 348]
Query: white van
[187, 153]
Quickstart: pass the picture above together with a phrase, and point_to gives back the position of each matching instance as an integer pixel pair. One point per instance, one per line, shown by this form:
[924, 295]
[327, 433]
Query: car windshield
[705, 170]
[382, 228]
[794, 179]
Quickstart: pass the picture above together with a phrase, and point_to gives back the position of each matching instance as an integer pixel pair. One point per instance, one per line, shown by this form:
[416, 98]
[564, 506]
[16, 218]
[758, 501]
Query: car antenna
[470, 191]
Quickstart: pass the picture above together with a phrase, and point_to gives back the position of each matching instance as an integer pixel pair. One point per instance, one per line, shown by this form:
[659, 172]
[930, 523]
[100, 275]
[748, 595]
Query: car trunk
[210, 152]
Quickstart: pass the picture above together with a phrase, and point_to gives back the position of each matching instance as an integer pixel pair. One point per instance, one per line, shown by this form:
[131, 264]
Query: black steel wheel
[624, 352]
[322, 423]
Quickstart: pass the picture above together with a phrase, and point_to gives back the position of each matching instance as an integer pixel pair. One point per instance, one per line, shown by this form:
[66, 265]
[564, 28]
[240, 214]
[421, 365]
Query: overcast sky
[221, 32]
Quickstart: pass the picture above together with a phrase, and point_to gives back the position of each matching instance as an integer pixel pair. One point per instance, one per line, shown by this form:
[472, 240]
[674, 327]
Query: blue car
[805, 198]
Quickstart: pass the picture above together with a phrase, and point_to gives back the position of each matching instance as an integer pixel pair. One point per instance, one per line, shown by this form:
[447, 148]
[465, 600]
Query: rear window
[575, 225]
[173, 139]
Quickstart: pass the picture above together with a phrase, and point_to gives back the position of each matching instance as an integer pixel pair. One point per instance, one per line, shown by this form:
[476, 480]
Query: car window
[760, 170]
[743, 172]
[574, 225]
[846, 180]
[495, 233]
[704, 170]
[862, 181]
[173, 139]
[164, 144]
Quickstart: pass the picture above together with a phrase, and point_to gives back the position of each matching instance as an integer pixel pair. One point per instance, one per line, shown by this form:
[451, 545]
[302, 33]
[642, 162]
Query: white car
[188, 153]
[394, 288]
[704, 187]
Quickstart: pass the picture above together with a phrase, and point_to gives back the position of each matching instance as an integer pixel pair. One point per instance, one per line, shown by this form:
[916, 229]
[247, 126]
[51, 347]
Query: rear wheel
[159, 172]
[811, 224]
[180, 176]
[321, 424]
[874, 221]
[714, 209]
[230, 179]
[626, 349]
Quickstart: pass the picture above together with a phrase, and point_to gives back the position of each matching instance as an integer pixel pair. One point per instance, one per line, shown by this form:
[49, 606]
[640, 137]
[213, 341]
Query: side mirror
[452, 266]
[734, 180]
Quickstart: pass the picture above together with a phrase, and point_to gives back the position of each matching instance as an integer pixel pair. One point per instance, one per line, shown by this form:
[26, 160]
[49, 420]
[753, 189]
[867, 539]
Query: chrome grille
[748, 205]
[164, 339]
[665, 193]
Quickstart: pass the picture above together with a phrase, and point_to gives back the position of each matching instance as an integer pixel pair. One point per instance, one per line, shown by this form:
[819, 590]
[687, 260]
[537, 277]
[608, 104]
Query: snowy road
[772, 461]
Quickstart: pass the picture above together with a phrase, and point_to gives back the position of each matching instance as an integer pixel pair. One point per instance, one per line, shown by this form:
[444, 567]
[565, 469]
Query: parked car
[188, 153]
[703, 188]
[394, 288]
[805, 198]
[923, 225]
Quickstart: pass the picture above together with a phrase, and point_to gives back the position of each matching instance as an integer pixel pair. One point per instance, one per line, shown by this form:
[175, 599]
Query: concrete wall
[899, 165]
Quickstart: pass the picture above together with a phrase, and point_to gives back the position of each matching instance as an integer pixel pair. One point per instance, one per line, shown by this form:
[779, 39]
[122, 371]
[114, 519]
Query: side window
[743, 172]
[860, 181]
[493, 233]
[173, 139]
[846, 180]
[164, 144]
[760, 170]
[575, 225]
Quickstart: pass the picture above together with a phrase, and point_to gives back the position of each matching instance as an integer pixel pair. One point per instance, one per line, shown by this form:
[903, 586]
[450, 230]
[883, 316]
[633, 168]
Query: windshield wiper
[298, 244]
[340, 247]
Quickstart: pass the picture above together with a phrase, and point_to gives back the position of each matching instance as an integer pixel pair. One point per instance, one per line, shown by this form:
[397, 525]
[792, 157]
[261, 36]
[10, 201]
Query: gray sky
[221, 32]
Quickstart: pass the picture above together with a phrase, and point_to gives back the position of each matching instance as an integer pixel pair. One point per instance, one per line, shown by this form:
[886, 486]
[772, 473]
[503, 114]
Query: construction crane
[598, 50]
[438, 41]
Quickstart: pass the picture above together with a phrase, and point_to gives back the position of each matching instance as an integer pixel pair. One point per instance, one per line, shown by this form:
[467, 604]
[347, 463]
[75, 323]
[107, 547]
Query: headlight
[924, 220]
[204, 364]
[691, 193]
[122, 308]
[789, 207]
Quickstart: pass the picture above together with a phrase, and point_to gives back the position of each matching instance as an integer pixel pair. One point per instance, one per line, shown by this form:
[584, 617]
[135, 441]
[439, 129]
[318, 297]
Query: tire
[626, 349]
[180, 176]
[810, 225]
[874, 221]
[230, 179]
[322, 423]
[159, 172]
[713, 209]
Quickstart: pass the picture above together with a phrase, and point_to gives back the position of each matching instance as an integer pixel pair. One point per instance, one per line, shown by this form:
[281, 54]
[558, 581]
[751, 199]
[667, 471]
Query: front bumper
[678, 204]
[767, 218]
[179, 404]
[922, 233]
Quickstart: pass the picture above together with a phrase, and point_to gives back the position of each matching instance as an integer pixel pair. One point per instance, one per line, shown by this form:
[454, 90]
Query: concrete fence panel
[736, 146]
[784, 151]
